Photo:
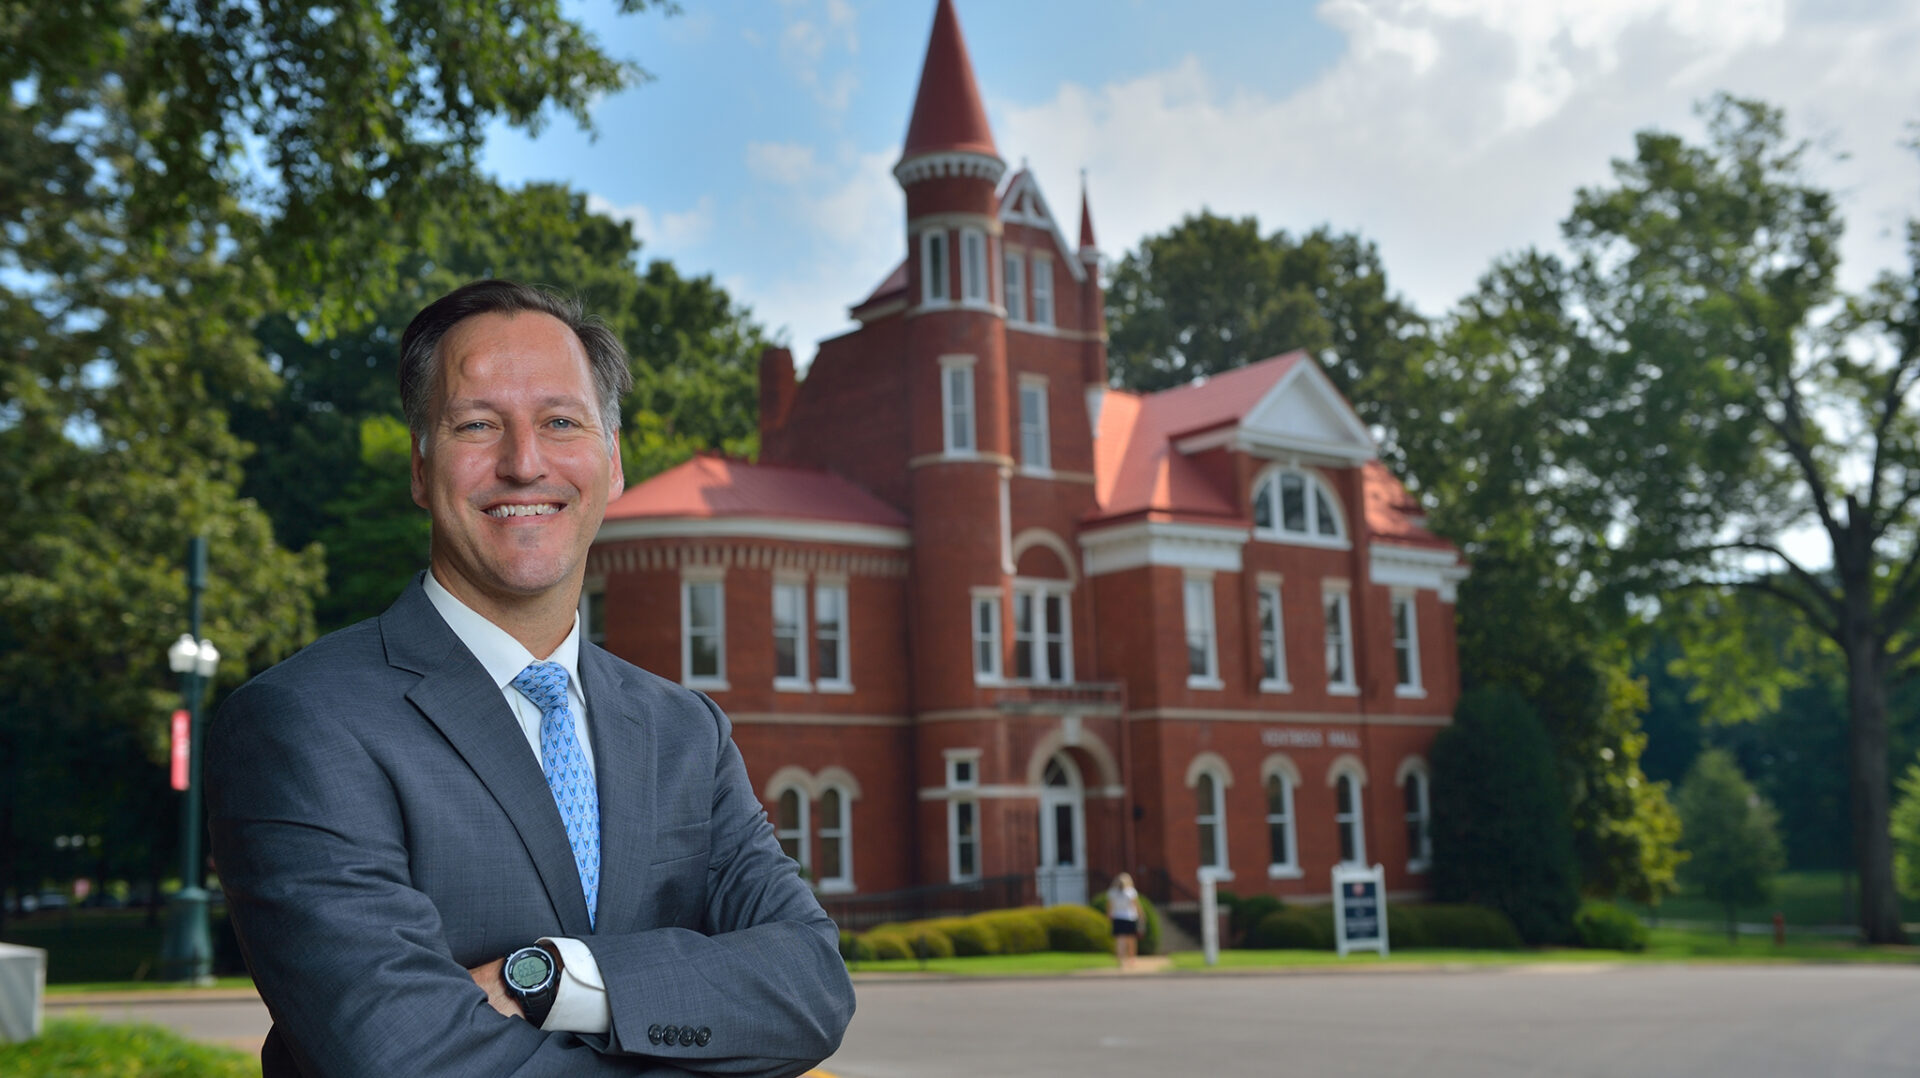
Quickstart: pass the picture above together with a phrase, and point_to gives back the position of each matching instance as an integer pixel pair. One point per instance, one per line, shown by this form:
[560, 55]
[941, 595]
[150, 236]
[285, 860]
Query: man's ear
[419, 469]
[619, 483]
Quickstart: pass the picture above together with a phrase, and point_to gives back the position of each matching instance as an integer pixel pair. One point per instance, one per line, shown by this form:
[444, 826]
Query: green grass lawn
[80, 1048]
[1805, 898]
[992, 965]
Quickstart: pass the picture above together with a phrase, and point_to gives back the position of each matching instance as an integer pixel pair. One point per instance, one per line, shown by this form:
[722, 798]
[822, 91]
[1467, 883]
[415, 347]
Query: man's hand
[493, 981]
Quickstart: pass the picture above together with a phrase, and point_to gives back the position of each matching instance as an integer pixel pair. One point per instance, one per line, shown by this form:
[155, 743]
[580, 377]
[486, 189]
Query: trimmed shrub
[1077, 928]
[1249, 911]
[928, 943]
[1468, 927]
[1020, 931]
[1406, 927]
[855, 948]
[887, 945]
[1290, 930]
[1149, 922]
[970, 936]
[1606, 927]
[1503, 842]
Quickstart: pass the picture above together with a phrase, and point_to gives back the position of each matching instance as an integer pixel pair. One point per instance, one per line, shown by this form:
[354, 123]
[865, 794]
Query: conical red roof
[1086, 217]
[947, 114]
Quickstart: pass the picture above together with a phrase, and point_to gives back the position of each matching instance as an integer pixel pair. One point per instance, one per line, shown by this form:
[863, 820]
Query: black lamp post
[187, 954]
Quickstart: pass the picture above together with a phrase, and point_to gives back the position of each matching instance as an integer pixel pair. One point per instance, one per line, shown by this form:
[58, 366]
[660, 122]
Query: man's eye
[564, 423]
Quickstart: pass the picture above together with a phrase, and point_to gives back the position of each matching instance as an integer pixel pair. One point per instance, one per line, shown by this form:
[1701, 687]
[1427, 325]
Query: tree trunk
[1869, 787]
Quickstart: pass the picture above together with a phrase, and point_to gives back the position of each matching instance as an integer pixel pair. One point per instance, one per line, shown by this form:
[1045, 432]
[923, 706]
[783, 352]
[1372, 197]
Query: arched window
[1209, 778]
[790, 825]
[836, 827]
[1416, 791]
[1296, 506]
[1347, 817]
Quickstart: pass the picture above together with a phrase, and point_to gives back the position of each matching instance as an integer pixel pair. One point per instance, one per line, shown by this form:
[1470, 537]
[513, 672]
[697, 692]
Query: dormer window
[933, 267]
[1291, 505]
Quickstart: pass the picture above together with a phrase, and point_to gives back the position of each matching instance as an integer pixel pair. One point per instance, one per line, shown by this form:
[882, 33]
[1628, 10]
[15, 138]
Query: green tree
[1730, 834]
[1500, 832]
[1906, 832]
[1712, 389]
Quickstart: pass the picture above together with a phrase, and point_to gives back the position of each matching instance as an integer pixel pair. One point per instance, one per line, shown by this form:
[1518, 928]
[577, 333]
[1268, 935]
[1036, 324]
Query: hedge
[1310, 928]
[1020, 930]
[1291, 930]
[1077, 928]
[1606, 927]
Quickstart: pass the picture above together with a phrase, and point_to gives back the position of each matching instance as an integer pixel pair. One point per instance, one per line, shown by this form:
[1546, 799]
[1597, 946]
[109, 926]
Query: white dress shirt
[580, 1004]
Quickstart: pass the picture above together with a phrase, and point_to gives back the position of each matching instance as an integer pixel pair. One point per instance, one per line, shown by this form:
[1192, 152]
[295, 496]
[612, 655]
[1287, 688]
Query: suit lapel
[456, 694]
[624, 751]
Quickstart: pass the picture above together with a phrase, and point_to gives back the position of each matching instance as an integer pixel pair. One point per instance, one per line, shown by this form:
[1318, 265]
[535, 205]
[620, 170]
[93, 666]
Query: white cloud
[781, 162]
[811, 53]
[1453, 131]
[664, 235]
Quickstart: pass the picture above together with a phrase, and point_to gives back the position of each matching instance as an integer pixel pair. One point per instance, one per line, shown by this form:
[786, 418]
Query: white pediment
[1304, 414]
[1023, 204]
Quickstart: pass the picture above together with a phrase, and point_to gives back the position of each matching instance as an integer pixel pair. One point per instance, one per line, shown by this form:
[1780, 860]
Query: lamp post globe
[187, 952]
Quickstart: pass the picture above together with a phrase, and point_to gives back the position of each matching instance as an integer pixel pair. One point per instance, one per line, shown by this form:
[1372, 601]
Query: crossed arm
[354, 961]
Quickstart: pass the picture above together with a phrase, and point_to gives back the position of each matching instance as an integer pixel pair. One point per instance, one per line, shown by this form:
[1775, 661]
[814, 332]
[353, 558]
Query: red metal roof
[947, 113]
[1086, 218]
[710, 485]
[1136, 467]
[894, 285]
[1392, 514]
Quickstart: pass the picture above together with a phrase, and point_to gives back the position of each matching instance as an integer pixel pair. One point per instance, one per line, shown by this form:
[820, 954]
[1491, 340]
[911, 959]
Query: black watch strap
[533, 977]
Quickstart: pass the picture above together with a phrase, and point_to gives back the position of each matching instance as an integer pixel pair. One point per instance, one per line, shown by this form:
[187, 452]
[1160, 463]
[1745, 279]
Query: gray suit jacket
[379, 826]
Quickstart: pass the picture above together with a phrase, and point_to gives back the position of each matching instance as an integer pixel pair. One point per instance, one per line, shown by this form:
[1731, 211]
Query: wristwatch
[533, 977]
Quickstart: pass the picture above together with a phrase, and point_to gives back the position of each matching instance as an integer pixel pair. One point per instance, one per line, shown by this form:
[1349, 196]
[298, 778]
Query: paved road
[1564, 1022]
[1827, 1022]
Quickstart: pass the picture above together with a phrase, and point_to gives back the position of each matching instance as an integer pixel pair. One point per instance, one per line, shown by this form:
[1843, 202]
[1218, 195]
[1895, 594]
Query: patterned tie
[567, 773]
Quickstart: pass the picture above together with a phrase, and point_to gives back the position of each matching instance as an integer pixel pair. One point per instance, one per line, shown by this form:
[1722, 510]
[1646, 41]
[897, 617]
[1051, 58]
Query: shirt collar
[502, 655]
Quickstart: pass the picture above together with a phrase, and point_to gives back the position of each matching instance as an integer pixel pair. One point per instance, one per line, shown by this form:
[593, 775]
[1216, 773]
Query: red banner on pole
[182, 747]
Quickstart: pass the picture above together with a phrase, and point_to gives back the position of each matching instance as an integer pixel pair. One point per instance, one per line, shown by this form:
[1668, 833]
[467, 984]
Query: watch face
[528, 969]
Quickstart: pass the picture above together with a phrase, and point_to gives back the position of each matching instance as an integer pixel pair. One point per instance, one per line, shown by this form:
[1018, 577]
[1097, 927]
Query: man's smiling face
[516, 471]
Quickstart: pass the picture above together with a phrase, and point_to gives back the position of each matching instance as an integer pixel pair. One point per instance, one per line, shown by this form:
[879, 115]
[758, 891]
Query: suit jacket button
[686, 1036]
[703, 1036]
[653, 1033]
[668, 1034]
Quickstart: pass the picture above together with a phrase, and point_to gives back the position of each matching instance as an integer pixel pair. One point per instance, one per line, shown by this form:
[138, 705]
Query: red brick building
[976, 614]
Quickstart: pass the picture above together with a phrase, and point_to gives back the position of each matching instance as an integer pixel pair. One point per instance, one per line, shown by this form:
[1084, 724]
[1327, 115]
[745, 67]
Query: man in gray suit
[457, 839]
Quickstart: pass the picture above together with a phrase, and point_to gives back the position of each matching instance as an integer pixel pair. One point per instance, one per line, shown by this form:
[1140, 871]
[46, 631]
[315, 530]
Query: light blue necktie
[567, 772]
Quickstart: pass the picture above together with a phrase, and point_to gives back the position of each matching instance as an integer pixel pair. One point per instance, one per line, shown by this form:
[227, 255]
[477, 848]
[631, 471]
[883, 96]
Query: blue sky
[1448, 131]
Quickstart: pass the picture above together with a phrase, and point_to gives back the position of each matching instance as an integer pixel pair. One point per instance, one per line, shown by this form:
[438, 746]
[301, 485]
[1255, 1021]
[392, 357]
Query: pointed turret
[1088, 250]
[947, 114]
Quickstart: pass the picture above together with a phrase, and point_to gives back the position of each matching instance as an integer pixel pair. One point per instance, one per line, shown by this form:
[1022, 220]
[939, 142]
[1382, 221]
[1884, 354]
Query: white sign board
[23, 987]
[1359, 909]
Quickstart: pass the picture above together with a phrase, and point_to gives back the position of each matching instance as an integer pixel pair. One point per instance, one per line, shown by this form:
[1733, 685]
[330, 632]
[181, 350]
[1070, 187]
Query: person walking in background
[1123, 907]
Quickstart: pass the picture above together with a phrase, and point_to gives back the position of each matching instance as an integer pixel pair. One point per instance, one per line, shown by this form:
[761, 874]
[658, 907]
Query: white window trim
[1210, 679]
[997, 637]
[842, 883]
[593, 595]
[843, 683]
[1407, 690]
[1331, 590]
[1410, 768]
[954, 874]
[1345, 770]
[798, 586]
[1289, 783]
[1042, 290]
[1270, 478]
[972, 240]
[1013, 272]
[1044, 466]
[928, 296]
[955, 757]
[689, 580]
[1039, 591]
[1270, 586]
[801, 797]
[948, 427]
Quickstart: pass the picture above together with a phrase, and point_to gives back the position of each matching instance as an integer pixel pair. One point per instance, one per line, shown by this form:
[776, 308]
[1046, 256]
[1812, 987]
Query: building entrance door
[1062, 875]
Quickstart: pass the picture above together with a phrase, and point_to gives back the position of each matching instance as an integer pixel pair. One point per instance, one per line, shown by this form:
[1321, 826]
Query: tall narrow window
[593, 614]
[933, 267]
[973, 265]
[789, 635]
[1293, 502]
[1346, 817]
[1419, 820]
[790, 825]
[963, 840]
[986, 637]
[836, 825]
[1406, 646]
[703, 655]
[830, 636]
[1280, 844]
[1043, 290]
[1339, 642]
[1203, 670]
[1273, 641]
[1263, 506]
[1035, 453]
[1211, 820]
[1015, 268]
[1041, 634]
[956, 387]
